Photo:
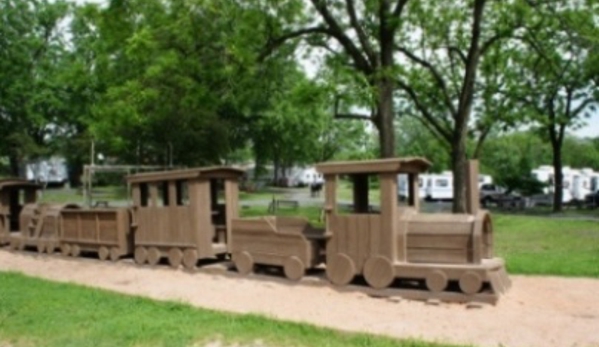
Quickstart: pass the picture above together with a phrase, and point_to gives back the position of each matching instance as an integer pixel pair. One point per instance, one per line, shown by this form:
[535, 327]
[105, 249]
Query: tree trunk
[558, 175]
[14, 165]
[458, 163]
[384, 119]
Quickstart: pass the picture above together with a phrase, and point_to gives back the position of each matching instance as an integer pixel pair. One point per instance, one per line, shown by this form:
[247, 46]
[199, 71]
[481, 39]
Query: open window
[144, 193]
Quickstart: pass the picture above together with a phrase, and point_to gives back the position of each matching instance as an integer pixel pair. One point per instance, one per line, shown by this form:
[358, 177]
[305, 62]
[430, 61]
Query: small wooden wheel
[153, 256]
[190, 258]
[103, 253]
[175, 256]
[115, 254]
[341, 269]
[141, 255]
[65, 249]
[50, 247]
[75, 250]
[294, 268]
[436, 281]
[244, 263]
[470, 282]
[378, 272]
[41, 247]
[13, 245]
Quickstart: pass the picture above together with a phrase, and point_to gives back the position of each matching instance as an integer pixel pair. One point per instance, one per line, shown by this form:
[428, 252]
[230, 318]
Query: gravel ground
[537, 311]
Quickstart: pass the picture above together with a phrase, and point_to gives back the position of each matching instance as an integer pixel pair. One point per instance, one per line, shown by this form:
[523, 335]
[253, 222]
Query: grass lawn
[548, 246]
[36, 312]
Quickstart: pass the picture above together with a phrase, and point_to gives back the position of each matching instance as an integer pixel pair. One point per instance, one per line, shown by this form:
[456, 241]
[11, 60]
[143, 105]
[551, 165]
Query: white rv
[402, 186]
[51, 171]
[306, 177]
[435, 186]
[545, 174]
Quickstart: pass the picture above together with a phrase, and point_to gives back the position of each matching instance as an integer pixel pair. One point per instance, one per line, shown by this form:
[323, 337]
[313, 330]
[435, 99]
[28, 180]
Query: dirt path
[538, 311]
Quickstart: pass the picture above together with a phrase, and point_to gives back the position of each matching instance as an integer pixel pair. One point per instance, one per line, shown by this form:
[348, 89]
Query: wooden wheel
[436, 281]
[115, 254]
[41, 247]
[470, 282]
[190, 259]
[378, 272]
[65, 249]
[13, 245]
[175, 256]
[153, 256]
[341, 269]
[103, 253]
[50, 247]
[244, 263]
[75, 250]
[141, 255]
[294, 268]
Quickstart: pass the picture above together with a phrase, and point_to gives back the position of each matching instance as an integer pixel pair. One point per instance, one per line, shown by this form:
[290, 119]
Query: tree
[358, 36]
[556, 87]
[440, 77]
[31, 95]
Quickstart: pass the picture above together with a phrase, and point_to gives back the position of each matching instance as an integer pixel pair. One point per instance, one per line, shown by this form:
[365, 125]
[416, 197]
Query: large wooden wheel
[153, 256]
[294, 268]
[115, 254]
[140, 255]
[190, 258]
[341, 270]
[470, 282]
[65, 249]
[75, 250]
[103, 253]
[244, 263]
[175, 257]
[436, 281]
[378, 272]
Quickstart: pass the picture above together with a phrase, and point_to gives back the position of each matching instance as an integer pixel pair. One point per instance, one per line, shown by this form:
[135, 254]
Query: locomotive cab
[14, 195]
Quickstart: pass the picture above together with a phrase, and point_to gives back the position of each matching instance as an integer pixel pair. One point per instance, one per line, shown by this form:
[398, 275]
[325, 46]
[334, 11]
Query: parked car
[592, 200]
[491, 194]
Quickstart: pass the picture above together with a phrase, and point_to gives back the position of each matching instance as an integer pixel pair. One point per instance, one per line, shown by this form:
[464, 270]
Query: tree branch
[275, 43]
[436, 75]
[366, 46]
[334, 30]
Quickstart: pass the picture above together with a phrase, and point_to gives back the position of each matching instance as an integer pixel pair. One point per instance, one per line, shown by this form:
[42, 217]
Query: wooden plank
[232, 206]
[472, 191]
[388, 233]
[432, 255]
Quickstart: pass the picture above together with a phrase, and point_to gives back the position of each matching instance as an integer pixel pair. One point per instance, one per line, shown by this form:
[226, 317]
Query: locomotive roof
[186, 174]
[17, 183]
[391, 165]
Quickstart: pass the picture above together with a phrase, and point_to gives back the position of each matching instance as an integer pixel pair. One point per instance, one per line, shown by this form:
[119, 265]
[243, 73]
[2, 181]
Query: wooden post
[414, 191]
[153, 194]
[232, 207]
[172, 193]
[472, 192]
[389, 236]
[360, 192]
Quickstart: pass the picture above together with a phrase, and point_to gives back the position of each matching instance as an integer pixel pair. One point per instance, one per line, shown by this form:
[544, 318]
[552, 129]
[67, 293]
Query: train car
[104, 231]
[289, 242]
[184, 215]
[398, 241]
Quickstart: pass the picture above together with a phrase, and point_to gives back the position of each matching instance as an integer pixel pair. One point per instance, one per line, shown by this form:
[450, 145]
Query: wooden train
[188, 215]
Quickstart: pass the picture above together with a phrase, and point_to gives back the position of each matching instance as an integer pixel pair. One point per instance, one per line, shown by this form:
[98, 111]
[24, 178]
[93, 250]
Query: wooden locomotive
[395, 242]
[188, 215]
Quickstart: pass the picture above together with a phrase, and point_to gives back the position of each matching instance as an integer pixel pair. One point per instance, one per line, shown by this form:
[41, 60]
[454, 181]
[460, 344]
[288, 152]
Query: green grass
[548, 246]
[36, 312]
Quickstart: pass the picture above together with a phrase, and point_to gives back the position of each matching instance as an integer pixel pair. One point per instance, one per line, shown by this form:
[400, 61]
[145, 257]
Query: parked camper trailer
[306, 177]
[52, 171]
[545, 174]
[435, 186]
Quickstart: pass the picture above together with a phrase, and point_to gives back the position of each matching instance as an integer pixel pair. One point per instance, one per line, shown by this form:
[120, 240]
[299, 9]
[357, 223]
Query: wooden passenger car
[178, 215]
[290, 242]
[14, 194]
[104, 231]
[399, 242]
